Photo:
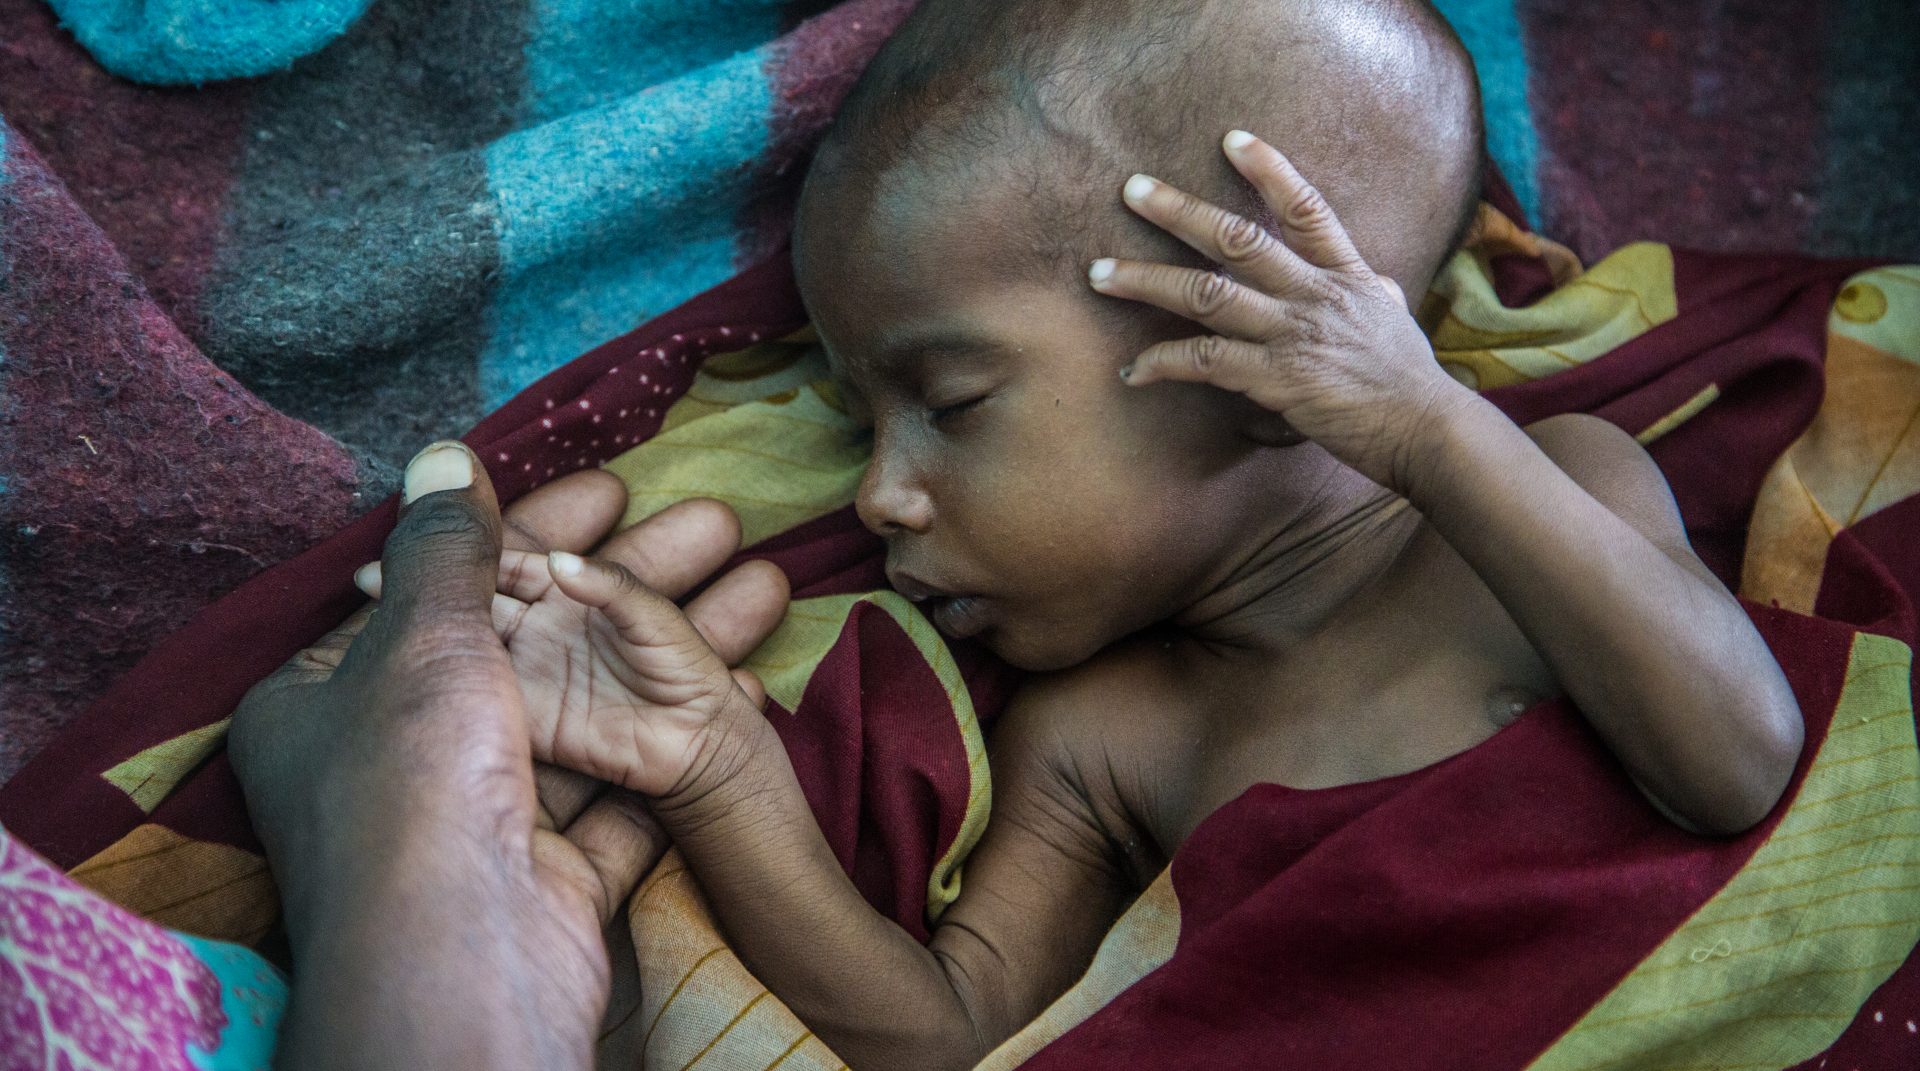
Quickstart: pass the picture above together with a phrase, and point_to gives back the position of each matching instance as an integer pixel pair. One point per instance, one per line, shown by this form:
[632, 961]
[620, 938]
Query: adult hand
[434, 920]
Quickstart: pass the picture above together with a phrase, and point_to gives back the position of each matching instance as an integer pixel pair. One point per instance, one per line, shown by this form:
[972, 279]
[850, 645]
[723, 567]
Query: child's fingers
[678, 547]
[1230, 364]
[1312, 230]
[741, 609]
[508, 614]
[524, 575]
[1207, 298]
[643, 617]
[1236, 243]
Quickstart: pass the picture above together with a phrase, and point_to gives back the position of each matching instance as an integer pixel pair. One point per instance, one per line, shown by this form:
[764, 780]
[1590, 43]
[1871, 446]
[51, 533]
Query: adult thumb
[442, 560]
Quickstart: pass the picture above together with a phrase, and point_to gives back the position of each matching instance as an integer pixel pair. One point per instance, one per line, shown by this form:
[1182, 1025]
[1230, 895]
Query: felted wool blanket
[373, 225]
[1518, 905]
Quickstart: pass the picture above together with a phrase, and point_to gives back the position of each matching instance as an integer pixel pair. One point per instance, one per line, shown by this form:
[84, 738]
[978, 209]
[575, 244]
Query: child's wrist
[739, 756]
[1427, 460]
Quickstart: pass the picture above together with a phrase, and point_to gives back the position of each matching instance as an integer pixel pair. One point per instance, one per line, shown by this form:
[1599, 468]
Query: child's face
[1024, 492]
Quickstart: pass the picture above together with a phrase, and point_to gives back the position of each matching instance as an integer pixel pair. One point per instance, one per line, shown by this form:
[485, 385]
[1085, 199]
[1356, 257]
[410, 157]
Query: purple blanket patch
[141, 480]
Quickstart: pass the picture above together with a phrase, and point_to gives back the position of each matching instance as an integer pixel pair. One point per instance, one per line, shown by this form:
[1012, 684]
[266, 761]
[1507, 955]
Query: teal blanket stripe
[189, 42]
[1491, 31]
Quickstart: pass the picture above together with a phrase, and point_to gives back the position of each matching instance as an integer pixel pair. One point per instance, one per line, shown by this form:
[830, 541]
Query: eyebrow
[936, 343]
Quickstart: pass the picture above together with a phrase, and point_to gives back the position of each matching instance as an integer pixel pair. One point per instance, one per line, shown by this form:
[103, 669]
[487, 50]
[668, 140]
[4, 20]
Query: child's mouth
[957, 616]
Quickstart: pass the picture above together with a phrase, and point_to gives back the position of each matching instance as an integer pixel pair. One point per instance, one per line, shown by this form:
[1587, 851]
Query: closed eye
[944, 413]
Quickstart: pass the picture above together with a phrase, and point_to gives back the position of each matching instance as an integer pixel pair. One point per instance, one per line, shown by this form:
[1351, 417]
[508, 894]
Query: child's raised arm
[1580, 541]
[1040, 890]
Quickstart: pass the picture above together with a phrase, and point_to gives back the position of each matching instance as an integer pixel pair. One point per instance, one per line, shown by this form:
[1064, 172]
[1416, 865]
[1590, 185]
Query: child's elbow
[1762, 768]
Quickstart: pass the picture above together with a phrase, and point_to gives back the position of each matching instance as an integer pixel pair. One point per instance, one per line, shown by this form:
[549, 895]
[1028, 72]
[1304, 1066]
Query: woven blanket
[1520, 901]
[287, 283]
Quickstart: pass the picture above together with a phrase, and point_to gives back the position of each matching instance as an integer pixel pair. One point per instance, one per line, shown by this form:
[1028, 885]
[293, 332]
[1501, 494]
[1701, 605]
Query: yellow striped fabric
[1770, 970]
[1139, 943]
[194, 886]
[699, 1007]
[148, 777]
[1485, 344]
[1860, 454]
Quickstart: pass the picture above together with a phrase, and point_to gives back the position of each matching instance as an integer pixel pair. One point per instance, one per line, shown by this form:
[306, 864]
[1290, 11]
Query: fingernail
[1126, 372]
[1238, 139]
[564, 564]
[443, 466]
[1138, 187]
[367, 578]
[1100, 271]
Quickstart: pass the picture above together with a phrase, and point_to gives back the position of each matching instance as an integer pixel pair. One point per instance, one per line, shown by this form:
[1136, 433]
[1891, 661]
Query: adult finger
[678, 547]
[572, 513]
[621, 841]
[1207, 298]
[440, 562]
[317, 662]
[522, 575]
[750, 683]
[671, 551]
[1229, 364]
[509, 608]
[741, 609]
[1306, 219]
[562, 794]
[1230, 240]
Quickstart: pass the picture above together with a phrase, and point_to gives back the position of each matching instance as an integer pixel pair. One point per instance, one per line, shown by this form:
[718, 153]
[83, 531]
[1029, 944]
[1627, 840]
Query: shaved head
[1030, 114]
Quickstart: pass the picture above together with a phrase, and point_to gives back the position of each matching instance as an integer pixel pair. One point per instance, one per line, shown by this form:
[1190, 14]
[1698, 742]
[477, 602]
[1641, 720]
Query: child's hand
[1303, 327]
[635, 692]
[620, 683]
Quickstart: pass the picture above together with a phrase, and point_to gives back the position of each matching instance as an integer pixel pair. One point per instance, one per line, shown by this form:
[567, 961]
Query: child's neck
[1295, 573]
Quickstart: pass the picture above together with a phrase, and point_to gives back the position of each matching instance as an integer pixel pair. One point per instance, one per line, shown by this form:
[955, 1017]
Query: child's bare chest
[1317, 740]
[1445, 677]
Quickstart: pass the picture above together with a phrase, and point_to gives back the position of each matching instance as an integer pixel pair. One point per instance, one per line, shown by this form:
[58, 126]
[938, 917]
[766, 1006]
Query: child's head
[942, 247]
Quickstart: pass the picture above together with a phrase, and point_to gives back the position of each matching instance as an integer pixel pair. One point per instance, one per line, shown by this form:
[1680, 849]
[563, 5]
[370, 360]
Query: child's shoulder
[1115, 725]
[1614, 468]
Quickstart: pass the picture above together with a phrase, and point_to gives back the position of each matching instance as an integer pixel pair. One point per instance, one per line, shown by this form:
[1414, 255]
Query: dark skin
[1196, 548]
[445, 897]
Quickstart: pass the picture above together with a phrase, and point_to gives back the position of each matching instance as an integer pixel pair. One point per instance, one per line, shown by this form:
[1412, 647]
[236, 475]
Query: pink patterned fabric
[85, 985]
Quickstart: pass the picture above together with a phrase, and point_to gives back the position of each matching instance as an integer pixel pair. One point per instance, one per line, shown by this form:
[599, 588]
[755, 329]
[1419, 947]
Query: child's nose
[890, 500]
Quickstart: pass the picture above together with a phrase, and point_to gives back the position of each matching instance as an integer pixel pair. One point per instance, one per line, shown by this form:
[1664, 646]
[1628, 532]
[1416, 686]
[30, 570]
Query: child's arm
[1040, 890]
[1599, 577]
[1571, 526]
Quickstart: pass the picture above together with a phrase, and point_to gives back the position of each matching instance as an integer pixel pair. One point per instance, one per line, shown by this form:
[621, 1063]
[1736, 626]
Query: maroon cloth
[1298, 901]
[1462, 916]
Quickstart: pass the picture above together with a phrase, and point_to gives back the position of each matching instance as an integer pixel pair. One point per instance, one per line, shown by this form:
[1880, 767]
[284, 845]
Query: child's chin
[1035, 650]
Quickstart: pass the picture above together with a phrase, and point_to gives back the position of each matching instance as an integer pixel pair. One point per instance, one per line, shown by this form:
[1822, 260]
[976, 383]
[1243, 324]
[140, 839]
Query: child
[1279, 546]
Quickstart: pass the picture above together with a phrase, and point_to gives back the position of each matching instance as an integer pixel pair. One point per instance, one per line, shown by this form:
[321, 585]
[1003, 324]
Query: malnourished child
[1177, 444]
